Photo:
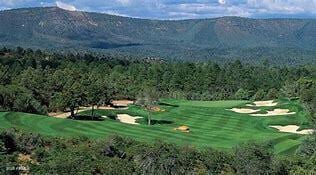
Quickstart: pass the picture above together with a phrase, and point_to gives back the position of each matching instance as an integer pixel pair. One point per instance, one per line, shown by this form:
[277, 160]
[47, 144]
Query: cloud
[181, 9]
[65, 6]
[223, 2]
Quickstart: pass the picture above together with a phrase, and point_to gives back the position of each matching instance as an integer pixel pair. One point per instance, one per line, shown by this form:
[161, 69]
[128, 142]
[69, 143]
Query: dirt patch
[274, 113]
[263, 103]
[67, 114]
[244, 110]
[156, 109]
[292, 129]
[25, 158]
[123, 103]
[125, 118]
[183, 129]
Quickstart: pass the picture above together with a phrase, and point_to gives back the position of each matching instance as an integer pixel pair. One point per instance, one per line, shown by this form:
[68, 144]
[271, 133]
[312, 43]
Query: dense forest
[40, 82]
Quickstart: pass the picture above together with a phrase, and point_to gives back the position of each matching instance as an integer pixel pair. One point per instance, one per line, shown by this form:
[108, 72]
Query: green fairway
[211, 125]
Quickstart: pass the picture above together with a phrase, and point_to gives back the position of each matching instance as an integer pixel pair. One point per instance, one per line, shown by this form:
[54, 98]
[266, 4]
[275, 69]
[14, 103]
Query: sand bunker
[111, 108]
[244, 110]
[293, 129]
[183, 129]
[125, 118]
[274, 113]
[123, 103]
[263, 103]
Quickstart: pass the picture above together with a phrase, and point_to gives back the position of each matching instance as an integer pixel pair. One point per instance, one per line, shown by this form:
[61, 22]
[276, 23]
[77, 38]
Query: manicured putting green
[211, 125]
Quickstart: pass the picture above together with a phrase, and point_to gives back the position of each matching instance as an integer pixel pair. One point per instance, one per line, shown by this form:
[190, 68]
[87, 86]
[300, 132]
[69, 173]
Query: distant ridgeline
[281, 41]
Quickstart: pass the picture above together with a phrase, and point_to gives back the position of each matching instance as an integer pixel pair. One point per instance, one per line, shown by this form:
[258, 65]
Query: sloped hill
[292, 40]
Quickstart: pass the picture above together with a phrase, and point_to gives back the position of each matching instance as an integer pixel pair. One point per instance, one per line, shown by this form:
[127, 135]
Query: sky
[180, 9]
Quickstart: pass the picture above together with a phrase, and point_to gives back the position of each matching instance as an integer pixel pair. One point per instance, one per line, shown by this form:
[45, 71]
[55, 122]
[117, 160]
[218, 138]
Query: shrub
[217, 162]
[259, 95]
[308, 147]
[253, 158]
[9, 140]
[242, 94]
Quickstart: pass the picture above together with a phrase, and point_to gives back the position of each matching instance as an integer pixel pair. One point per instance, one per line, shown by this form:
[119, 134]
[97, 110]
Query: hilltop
[290, 41]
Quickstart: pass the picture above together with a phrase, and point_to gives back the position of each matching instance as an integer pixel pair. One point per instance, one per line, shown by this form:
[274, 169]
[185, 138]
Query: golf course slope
[211, 124]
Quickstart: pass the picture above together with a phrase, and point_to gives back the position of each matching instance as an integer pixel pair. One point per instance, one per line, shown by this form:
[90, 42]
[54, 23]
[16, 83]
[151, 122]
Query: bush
[160, 158]
[253, 158]
[27, 143]
[272, 94]
[217, 162]
[2, 147]
[259, 95]
[242, 94]
[308, 147]
[9, 140]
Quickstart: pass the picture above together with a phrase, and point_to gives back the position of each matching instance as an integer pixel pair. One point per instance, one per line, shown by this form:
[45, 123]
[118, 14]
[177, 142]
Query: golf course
[210, 123]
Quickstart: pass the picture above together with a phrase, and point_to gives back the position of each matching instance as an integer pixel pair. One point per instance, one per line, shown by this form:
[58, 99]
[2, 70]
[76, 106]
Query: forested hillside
[281, 41]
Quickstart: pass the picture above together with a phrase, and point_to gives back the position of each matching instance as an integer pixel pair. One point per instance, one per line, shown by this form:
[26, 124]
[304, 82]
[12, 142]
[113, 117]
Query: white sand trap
[111, 108]
[244, 110]
[293, 129]
[263, 103]
[125, 118]
[124, 103]
[274, 113]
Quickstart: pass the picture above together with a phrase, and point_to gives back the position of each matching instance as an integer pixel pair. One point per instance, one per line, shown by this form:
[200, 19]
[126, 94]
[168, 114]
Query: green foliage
[253, 158]
[272, 94]
[242, 94]
[9, 141]
[2, 147]
[86, 156]
[217, 162]
[308, 147]
[259, 95]
[54, 82]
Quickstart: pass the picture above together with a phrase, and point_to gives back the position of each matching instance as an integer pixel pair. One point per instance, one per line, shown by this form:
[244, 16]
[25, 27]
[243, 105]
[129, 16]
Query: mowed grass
[211, 125]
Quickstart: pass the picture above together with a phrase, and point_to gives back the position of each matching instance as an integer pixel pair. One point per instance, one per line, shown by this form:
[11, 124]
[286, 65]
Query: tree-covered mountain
[291, 41]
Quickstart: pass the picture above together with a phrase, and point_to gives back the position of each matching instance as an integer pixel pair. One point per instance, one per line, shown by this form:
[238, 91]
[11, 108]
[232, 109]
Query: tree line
[40, 82]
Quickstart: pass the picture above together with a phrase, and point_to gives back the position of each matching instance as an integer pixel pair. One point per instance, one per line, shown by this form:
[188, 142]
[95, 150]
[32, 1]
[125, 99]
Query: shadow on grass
[168, 104]
[88, 118]
[161, 122]
[112, 117]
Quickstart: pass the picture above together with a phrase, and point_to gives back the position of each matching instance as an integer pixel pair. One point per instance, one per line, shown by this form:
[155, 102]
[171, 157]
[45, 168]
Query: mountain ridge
[223, 38]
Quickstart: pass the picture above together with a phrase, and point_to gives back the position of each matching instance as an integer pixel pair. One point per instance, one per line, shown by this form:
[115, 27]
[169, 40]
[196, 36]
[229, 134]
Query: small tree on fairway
[99, 92]
[149, 99]
[93, 94]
